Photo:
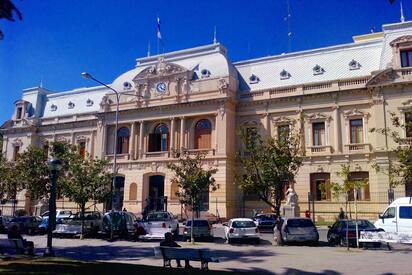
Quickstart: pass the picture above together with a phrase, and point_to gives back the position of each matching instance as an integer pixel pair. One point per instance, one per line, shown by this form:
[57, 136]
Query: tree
[7, 11]
[399, 168]
[192, 179]
[269, 165]
[86, 180]
[8, 182]
[348, 186]
[31, 170]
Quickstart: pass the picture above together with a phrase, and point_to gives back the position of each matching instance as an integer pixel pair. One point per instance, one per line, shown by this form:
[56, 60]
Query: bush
[20, 212]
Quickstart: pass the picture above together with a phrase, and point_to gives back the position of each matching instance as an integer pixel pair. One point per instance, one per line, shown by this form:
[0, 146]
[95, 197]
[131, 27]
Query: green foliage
[8, 181]
[7, 11]
[268, 165]
[399, 171]
[192, 178]
[348, 184]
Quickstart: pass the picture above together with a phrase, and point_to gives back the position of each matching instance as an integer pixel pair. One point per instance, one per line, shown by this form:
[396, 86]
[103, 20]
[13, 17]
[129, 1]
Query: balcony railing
[160, 154]
[320, 149]
[358, 148]
[110, 157]
[207, 152]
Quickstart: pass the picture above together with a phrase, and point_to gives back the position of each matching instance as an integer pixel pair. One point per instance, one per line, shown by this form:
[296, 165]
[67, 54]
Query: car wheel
[341, 242]
[29, 231]
[229, 241]
[257, 241]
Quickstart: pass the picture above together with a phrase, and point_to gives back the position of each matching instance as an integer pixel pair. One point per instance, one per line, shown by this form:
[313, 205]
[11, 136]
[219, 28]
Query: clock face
[161, 87]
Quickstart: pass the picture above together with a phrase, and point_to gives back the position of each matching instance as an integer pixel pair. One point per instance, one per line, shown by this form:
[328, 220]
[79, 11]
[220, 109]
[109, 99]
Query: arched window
[173, 190]
[133, 192]
[159, 139]
[123, 135]
[203, 134]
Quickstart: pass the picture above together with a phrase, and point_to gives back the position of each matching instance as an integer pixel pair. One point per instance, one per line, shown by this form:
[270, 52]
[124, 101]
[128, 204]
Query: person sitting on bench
[14, 234]
[169, 242]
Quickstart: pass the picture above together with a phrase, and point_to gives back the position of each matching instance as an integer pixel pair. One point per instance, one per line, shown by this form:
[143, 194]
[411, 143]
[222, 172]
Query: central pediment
[161, 69]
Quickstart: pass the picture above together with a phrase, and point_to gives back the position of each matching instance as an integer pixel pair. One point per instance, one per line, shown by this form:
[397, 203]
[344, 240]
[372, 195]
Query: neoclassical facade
[197, 99]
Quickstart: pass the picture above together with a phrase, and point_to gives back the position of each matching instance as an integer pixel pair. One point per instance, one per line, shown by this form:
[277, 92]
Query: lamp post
[89, 76]
[54, 166]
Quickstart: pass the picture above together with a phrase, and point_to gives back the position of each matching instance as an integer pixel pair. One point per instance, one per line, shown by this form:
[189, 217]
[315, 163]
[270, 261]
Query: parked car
[397, 217]
[337, 232]
[72, 226]
[156, 224]
[45, 224]
[4, 221]
[123, 224]
[296, 230]
[60, 213]
[201, 229]
[241, 229]
[265, 222]
[26, 224]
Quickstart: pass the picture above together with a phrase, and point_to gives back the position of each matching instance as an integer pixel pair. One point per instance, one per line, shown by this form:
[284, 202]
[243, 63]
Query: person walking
[341, 215]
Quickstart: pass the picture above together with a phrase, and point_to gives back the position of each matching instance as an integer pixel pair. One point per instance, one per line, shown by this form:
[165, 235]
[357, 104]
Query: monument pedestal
[291, 211]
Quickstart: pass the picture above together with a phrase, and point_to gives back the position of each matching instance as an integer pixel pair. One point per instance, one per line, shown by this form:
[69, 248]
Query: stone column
[172, 134]
[365, 128]
[216, 133]
[104, 142]
[141, 139]
[132, 141]
[182, 133]
[336, 128]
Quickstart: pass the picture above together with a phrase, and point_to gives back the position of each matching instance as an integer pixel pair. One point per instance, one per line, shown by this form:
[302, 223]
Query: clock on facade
[161, 87]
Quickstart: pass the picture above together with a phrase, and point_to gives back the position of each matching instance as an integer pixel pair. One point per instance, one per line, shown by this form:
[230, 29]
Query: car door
[405, 219]
[334, 232]
[388, 220]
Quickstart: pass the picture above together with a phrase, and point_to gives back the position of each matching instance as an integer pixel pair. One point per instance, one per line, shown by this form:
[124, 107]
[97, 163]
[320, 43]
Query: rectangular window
[406, 58]
[319, 186]
[408, 124]
[16, 152]
[19, 113]
[405, 212]
[318, 133]
[356, 131]
[82, 149]
[283, 133]
[363, 194]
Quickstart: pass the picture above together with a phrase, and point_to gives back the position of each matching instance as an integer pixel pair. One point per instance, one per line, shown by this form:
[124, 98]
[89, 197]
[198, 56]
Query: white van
[397, 216]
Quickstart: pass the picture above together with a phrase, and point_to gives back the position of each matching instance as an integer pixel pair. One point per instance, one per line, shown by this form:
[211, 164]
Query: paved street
[265, 258]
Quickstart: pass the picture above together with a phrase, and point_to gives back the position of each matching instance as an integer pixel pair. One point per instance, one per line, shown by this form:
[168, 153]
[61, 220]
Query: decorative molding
[382, 77]
[354, 65]
[223, 85]
[355, 112]
[221, 110]
[253, 79]
[318, 70]
[89, 102]
[53, 107]
[105, 103]
[283, 120]
[318, 116]
[401, 40]
[70, 105]
[17, 142]
[284, 75]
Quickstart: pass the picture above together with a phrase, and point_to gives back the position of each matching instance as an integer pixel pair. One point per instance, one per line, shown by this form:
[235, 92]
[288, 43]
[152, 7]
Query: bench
[14, 244]
[190, 254]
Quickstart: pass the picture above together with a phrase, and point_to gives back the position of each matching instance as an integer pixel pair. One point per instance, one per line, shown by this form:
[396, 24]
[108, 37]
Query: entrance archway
[156, 198]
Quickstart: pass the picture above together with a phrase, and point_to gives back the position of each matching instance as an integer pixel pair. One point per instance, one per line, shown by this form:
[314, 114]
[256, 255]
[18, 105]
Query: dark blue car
[337, 232]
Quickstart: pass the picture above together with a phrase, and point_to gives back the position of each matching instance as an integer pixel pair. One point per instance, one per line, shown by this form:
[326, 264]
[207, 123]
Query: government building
[197, 99]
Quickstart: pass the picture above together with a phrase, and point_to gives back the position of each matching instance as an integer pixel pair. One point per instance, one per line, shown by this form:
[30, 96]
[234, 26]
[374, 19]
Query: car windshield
[243, 224]
[300, 223]
[198, 223]
[157, 217]
[361, 224]
[265, 217]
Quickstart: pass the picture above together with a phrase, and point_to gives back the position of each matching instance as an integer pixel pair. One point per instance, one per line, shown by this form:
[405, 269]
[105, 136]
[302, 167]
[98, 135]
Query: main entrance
[156, 199]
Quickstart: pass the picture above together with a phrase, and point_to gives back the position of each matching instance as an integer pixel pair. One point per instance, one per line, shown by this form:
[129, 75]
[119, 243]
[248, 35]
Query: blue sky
[57, 40]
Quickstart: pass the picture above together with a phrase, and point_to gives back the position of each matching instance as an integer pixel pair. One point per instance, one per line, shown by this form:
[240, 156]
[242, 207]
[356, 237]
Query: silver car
[295, 230]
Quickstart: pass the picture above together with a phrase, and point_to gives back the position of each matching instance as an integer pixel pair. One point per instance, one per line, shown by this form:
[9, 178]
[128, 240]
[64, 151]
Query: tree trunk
[82, 210]
[192, 239]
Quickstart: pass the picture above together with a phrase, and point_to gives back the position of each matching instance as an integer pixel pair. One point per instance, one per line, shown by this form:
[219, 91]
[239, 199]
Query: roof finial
[148, 48]
[402, 17]
[41, 82]
[214, 36]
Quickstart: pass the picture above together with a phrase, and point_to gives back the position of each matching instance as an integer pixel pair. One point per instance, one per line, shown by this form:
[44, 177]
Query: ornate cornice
[318, 116]
[383, 77]
[355, 112]
[400, 40]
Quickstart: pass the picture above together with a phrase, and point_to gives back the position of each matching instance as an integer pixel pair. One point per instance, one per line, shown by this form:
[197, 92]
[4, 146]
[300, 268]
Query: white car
[156, 224]
[241, 229]
[60, 213]
[397, 216]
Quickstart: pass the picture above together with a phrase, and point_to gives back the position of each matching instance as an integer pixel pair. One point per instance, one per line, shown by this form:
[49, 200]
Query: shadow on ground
[46, 266]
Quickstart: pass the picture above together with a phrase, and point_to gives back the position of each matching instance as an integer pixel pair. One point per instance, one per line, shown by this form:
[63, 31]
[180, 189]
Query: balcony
[320, 150]
[357, 148]
[207, 152]
[110, 157]
[160, 154]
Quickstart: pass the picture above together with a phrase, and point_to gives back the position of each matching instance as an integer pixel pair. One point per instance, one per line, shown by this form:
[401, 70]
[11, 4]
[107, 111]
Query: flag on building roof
[159, 35]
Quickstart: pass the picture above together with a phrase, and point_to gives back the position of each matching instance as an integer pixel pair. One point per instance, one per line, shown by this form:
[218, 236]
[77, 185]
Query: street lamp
[54, 166]
[89, 76]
